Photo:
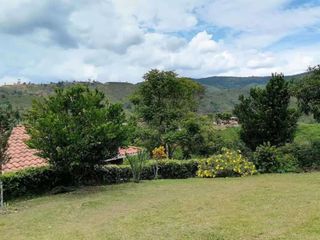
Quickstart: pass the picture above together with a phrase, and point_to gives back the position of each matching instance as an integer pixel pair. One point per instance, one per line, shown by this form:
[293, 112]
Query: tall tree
[76, 128]
[8, 119]
[307, 90]
[162, 101]
[265, 115]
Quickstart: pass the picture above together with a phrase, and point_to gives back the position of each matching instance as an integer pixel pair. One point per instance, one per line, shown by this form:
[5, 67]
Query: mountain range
[221, 93]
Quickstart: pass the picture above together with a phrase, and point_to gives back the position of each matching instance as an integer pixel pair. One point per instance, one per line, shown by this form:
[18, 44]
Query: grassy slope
[260, 207]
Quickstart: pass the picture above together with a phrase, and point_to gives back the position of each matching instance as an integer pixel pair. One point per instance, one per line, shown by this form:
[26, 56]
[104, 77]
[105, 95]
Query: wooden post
[1, 195]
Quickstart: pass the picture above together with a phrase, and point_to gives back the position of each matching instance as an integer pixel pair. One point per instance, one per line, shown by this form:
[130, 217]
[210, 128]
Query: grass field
[283, 206]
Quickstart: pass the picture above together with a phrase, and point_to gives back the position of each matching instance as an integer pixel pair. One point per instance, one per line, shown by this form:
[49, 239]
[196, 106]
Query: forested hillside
[221, 93]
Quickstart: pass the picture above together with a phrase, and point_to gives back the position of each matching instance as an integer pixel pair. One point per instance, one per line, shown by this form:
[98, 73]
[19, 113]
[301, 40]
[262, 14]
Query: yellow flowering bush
[159, 153]
[227, 164]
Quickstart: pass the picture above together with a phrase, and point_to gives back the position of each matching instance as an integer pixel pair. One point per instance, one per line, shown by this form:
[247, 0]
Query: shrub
[33, 181]
[111, 174]
[158, 153]
[306, 155]
[269, 159]
[137, 163]
[76, 128]
[177, 168]
[228, 163]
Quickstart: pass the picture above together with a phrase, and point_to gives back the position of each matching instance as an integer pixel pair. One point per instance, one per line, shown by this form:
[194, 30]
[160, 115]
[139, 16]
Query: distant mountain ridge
[229, 82]
[221, 93]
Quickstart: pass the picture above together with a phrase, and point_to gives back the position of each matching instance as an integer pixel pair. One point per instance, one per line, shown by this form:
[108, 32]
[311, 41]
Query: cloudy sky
[119, 40]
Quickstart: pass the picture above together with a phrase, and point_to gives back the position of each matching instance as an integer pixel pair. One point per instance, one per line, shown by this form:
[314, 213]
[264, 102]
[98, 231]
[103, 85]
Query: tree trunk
[1, 195]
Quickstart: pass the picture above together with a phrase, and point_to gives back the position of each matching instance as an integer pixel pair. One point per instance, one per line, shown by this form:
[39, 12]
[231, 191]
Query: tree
[162, 101]
[197, 136]
[265, 115]
[76, 128]
[8, 119]
[307, 90]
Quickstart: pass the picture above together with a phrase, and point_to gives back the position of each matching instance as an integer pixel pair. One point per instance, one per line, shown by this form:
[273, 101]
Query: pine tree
[265, 115]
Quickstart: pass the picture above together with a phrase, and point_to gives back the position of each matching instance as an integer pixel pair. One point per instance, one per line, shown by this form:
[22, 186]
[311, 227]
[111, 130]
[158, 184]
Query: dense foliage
[162, 102]
[307, 155]
[270, 159]
[265, 115]
[228, 163]
[198, 137]
[307, 90]
[76, 128]
[35, 181]
[8, 118]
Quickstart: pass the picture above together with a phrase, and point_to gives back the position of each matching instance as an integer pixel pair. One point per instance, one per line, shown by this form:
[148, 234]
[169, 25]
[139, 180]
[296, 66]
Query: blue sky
[119, 40]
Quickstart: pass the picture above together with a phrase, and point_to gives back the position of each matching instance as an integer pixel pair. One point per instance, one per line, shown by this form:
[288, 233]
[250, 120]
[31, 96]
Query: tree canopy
[162, 101]
[8, 118]
[265, 115]
[76, 127]
[307, 90]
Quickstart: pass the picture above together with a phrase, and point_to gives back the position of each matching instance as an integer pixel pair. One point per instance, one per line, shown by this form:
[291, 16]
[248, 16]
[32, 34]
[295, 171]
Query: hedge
[34, 181]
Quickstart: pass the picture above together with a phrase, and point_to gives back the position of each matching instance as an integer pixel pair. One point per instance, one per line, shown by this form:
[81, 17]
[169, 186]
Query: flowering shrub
[159, 153]
[228, 163]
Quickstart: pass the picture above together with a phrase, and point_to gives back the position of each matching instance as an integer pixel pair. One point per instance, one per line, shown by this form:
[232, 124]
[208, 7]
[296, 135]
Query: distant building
[21, 156]
[231, 122]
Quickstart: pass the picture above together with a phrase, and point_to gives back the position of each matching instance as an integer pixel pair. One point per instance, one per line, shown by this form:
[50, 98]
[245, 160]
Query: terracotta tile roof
[131, 150]
[21, 156]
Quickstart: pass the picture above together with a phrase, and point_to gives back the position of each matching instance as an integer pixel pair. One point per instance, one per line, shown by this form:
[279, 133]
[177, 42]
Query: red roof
[131, 150]
[20, 155]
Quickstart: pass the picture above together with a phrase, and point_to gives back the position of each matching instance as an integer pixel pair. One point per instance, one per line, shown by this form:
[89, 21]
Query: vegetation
[265, 115]
[227, 164]
[7, 121]
[8, 118]
[36, 181]
[162, 101]
[259, 207]
[197, 137]
[307, 91]
[270, 159]
[137, 163]
[76, 128]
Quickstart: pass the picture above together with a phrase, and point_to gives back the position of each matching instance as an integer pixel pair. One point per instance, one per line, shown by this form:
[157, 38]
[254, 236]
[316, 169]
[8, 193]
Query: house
[21, 156]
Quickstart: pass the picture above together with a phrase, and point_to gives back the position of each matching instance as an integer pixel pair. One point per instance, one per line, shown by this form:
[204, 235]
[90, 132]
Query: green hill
[221, 93]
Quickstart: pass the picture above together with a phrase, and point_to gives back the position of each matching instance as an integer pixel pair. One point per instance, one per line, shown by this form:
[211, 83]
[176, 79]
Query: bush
[174, 169]
[111, 174]
[35, 181]
[76, 128]
[227, 164]
[137, 163]
[269, 159]
[306, 155]
[32, 181]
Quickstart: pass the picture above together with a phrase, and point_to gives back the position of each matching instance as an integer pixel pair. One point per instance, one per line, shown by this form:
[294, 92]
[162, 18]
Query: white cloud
[119, 40]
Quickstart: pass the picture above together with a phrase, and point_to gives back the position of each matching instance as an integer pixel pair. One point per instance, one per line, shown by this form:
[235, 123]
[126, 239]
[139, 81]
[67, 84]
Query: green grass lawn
[260, 207]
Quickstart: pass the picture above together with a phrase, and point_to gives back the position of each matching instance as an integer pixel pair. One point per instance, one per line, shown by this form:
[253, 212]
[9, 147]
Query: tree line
[77, 127]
